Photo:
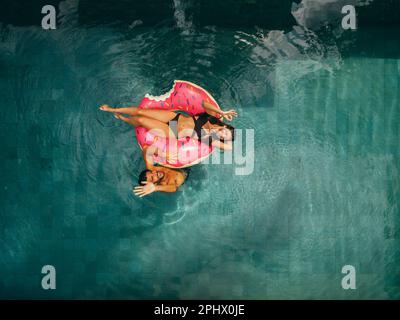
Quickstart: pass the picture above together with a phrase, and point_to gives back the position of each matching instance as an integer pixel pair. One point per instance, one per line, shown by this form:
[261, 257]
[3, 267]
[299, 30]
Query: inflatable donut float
[184, 96]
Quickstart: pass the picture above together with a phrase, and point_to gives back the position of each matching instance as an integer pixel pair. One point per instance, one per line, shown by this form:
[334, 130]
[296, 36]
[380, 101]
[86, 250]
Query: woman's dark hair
[231, 129]
[216, 121]
[142, 176]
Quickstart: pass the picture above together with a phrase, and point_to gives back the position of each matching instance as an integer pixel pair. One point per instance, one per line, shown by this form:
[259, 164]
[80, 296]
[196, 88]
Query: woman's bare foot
[106, 108]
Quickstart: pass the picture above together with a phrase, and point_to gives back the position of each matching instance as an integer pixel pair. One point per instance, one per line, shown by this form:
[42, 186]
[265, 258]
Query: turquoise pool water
[324, 192]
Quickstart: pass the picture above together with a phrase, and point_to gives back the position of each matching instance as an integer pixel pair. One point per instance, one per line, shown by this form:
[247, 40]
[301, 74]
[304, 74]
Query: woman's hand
[147, 188]
[229, 115]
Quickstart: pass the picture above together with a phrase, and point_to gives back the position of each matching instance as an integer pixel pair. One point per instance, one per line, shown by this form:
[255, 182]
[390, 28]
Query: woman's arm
[213, 110]
[223, 146]
[148, 152]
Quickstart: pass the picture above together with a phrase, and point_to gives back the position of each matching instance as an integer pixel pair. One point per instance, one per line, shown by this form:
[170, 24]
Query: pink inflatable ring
[184, 96]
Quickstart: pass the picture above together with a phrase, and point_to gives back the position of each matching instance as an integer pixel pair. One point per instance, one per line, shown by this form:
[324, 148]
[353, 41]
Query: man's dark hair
[142, 176]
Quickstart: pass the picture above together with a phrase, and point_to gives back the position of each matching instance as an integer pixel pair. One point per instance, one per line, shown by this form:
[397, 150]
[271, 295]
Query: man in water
[155, 179]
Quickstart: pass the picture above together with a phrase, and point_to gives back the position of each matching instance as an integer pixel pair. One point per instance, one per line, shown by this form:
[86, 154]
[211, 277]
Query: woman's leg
[160, 115]
[149, 124]
[164, 116]
[132, 111]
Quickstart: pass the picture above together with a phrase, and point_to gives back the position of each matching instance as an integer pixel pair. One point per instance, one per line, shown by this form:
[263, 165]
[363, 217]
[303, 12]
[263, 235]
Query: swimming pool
[324, 191]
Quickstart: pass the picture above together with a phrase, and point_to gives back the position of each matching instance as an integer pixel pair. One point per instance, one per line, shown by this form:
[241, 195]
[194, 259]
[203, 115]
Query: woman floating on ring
[196, 117]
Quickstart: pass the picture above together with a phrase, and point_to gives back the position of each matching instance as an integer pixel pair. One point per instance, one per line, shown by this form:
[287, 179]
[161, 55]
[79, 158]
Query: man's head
[153, 176]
